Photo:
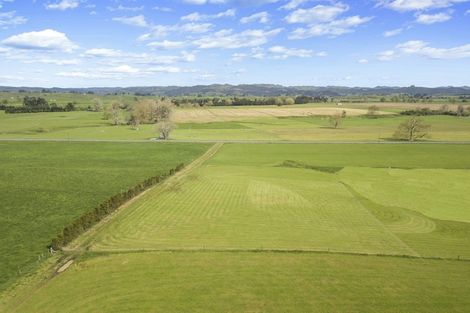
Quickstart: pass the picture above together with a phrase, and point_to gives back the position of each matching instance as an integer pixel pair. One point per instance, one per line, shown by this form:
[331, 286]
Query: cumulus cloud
[333, 28]
[324, 20]
[159, 31]
[197, 17]
[138, 21]
[417, 5]
[261, 17]
[393, 32]
[48, 39]
[167, 44]
[10, 18]
[280, 52]
[422, 48]
[103, 53]
[433, 18]
[227, 39]
[363, 61]
[387, 55]
[317, 14]
[63, 5]
[293, 4]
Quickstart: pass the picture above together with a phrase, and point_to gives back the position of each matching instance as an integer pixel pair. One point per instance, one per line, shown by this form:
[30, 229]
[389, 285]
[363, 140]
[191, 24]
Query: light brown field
[217, 114]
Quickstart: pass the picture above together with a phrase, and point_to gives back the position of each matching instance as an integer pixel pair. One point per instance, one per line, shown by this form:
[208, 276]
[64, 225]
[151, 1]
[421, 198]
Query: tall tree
[412, 129]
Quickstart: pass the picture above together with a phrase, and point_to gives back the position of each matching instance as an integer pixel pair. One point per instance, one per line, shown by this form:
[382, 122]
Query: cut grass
[248, 208]
[254, 282]
[46, 185]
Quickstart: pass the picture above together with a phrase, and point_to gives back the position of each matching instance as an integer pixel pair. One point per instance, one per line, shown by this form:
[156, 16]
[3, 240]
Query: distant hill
[256, 90]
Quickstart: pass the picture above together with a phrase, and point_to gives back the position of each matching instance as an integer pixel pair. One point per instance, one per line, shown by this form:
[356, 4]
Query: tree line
[37, 105]
[91, 218]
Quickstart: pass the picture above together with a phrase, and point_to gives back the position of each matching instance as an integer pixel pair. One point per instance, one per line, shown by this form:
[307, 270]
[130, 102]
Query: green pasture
[254, 282]
[335, 198]
[44, 186]
[91, 125]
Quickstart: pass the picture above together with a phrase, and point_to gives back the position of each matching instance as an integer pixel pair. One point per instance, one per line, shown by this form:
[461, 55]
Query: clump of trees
[443, 110]
[87, 220]
[412, 129]
[37, 105]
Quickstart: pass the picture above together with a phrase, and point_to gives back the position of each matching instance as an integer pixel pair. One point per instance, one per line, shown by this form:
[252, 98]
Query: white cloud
[103, 53]
[237, 57]
[162, 9]
[261, 17]
[59, 62]
[280, 52]
[226, 39]
[393, 32]
[333, 28]
[317, 14]
[159, 31]
[292, 4]
[197, 17]
[138, 21]
[387, 55]
[47, 39]
[433, 18]
[422, 48]
[418, 5]
[167, 44]
[418, 47]
[63, 5]
[165, 69]
[124, 8]
[10, 18]
[363, 61]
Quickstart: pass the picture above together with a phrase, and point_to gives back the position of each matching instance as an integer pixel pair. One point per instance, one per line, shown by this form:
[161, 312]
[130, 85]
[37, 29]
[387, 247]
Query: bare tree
[97, 105]
[412, 129]
[164, 129]
[113, 113]
[336, 120]
[460, 110]
[161, 110]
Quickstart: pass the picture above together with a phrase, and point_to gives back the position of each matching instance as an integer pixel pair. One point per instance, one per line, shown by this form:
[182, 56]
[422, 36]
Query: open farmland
[299, 217]
[254, 282]
[249, 126]
[44, 186]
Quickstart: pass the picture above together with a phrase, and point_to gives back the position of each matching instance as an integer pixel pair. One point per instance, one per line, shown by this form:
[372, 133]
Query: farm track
[84, 239]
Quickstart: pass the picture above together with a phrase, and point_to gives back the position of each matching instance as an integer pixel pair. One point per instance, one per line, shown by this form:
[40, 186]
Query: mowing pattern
[261, 205]
[250, 208]
[254, 282]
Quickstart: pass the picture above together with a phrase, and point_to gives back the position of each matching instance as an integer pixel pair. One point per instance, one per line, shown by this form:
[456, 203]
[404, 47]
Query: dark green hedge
[87, 220]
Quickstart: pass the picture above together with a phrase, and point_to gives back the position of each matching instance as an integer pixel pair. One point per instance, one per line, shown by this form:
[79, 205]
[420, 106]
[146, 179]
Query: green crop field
[283, 228]
[46, 185]
[254, 282]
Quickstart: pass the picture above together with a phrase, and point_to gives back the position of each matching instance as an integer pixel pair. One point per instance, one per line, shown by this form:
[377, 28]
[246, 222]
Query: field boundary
[153, 140]
[255, 250]
[79, 243]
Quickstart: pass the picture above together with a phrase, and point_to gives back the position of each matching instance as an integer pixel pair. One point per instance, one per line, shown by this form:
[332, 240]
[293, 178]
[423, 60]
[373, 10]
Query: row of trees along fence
[87, 220]
[37, 105]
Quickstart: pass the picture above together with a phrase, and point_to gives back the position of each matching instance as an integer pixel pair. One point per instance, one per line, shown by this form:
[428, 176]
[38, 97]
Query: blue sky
[85, 43]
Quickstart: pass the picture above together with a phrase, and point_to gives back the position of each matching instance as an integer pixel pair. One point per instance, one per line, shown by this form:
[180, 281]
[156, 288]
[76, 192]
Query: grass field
[247, 198]
[46, 185]
[254, 282]
[90, 125]
[279, 228]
